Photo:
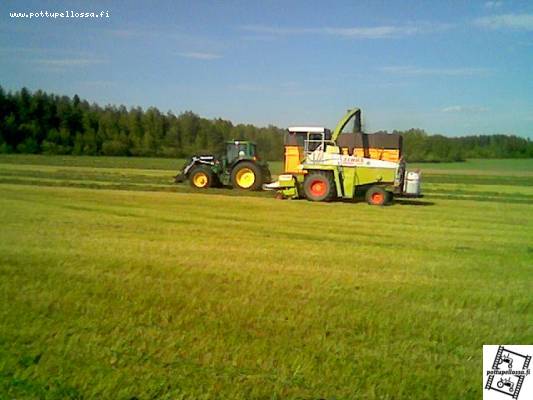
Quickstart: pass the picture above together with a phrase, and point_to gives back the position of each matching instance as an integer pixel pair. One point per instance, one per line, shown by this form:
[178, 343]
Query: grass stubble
[158, 291]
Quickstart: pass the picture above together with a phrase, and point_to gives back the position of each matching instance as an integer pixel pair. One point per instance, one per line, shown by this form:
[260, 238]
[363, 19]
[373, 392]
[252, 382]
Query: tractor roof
[310, 129]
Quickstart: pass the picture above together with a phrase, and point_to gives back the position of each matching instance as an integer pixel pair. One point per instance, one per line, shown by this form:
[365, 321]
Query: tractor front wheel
[247, 175]
[377, 196]
[320, 186]
[201, 177]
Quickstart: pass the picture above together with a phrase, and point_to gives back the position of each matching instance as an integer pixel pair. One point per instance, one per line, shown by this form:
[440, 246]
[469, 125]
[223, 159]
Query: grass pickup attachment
[324, 166]
[239, 167]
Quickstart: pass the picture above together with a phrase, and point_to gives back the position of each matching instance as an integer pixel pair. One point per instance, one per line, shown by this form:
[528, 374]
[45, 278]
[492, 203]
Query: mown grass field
[116, 283]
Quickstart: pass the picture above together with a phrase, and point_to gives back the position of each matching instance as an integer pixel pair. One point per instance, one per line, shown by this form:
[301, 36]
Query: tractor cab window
[234, 150]
[353, 125]
[253, 150]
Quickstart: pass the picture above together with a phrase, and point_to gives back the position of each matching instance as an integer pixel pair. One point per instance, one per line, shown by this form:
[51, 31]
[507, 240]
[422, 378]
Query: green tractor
[240, 167]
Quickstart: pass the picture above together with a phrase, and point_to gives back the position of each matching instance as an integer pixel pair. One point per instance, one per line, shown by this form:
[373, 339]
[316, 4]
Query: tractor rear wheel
[319, 186]
[201, 177]
[377, 196]
[247, 175]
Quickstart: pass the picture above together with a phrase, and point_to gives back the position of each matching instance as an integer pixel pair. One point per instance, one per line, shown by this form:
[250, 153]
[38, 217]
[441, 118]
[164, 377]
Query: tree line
[45, 123]
[419, 146]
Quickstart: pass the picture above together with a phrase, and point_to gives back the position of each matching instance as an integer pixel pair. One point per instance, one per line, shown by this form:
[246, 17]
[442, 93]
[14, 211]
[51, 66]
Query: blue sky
[449, 67]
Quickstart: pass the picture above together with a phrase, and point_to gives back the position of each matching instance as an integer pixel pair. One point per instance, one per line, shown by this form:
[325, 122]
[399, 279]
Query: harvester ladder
[498, 358]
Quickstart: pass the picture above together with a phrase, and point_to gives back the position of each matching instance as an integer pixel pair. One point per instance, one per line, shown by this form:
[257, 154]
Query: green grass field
[118, 284]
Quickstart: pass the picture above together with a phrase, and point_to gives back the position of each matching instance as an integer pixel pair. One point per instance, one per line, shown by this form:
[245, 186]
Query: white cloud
[24, 50]
[44, 52]
[493, 4]
[70, 62]
[375, 32]
[409, 70]
[200, 56]
[275, 30]
[378, 32]
[126, 33]
[464, 109]
[176, 39]
[246, 87]
[511, 21]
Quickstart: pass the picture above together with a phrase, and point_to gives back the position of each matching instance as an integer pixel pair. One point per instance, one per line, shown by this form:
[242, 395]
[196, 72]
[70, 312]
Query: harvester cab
[239, 167]
[321, 165]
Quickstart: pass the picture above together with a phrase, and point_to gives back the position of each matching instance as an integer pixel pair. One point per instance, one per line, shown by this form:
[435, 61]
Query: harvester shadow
[360, 198]
[409, 202]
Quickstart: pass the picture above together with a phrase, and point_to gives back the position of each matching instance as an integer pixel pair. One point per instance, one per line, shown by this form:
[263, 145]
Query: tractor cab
[240, 150]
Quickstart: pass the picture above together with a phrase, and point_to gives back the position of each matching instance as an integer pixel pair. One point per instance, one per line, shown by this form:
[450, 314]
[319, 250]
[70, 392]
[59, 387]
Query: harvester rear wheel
[319, 186]
[247, 175]
[377, 196]
[201, 177]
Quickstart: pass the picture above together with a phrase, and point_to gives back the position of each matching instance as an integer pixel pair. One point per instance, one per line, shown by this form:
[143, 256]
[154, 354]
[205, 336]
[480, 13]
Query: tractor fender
[241, 160]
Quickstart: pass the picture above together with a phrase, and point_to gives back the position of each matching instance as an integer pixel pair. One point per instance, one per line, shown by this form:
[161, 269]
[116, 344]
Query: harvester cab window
[295, 138]
[314, 141]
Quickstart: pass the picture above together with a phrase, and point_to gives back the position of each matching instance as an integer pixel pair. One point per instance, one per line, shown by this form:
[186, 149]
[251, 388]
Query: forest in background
[42, 123]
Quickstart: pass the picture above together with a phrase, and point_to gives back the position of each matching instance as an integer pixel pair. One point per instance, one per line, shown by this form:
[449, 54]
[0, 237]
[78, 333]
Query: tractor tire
[247, 175]
[377, 196]
[320, 186]
[201, 177]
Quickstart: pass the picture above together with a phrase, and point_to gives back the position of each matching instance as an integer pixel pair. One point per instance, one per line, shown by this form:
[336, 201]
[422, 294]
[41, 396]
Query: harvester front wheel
[247, 175]
[319, 186]
[201, 177]
[377, 196]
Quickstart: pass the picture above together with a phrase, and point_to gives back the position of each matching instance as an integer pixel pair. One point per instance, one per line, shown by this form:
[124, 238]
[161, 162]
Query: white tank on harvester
[321, 165]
